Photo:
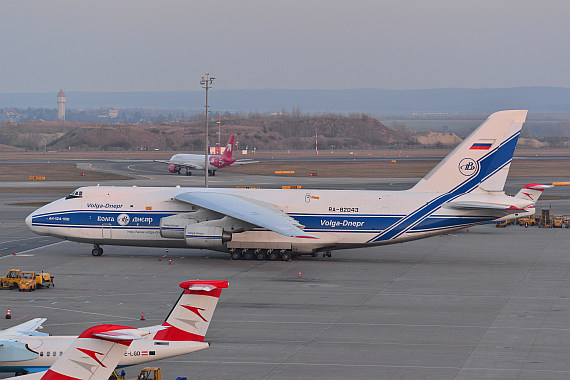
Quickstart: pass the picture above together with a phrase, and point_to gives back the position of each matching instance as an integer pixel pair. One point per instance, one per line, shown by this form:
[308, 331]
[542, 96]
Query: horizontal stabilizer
[482, 206]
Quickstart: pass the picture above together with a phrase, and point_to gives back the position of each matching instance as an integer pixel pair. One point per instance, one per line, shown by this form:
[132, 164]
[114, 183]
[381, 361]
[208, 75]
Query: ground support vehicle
[558, 221]
[31, 279]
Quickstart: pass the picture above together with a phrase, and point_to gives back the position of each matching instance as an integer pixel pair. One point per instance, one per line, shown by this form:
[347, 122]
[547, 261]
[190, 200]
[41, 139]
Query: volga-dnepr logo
[468, 167]
[123, 219]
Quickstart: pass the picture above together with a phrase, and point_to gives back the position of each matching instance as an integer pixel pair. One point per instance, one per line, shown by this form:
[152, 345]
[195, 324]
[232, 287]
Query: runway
[485, 303]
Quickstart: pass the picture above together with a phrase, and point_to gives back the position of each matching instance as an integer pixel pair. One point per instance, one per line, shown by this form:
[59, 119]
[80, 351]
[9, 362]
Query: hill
[281, 132]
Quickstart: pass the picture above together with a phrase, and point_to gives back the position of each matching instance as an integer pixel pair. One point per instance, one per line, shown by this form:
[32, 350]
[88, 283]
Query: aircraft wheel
[213, 173]
[286, 256]
[235, 255]
[273, 256]
[248, 255]
[97, 251]
[260, 256]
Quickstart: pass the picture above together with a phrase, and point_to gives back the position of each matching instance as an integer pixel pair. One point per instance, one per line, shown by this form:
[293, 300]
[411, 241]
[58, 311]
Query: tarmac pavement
[485, 303]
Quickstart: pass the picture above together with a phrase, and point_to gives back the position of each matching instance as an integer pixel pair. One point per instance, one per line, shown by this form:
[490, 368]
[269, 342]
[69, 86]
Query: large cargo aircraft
[463, 190]
[190, 162]
[23, 349]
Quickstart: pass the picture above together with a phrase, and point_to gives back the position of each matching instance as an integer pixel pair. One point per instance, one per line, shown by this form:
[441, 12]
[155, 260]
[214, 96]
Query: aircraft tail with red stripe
[92, 356]
[229, 147]
[190, 318]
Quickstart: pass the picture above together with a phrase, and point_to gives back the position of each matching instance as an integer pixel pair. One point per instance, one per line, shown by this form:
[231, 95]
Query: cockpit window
[75, 194]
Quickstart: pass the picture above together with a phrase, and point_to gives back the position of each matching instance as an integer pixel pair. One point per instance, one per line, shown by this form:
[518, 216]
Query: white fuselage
[194, 161]
[49, 348]
[339, 218]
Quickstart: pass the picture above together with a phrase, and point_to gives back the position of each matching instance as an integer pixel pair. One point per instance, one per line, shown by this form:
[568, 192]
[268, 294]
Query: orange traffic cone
[8, 316]
[142, 317]
[14, 252]
[169, 262]
[299, 274]
[166, 250]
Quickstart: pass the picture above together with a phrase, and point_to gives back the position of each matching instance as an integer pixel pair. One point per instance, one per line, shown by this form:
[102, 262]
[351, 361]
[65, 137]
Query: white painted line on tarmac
[33, 249]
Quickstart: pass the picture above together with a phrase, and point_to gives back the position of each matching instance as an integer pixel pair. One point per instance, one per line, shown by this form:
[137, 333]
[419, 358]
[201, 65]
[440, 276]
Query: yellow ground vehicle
[150, 374]
[33, 280]
[558, 221]
[529, 219]
[27, 282]
[11, 280]
[502, 224]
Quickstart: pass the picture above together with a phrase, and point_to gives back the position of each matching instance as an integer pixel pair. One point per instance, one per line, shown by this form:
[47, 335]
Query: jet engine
[172, 227]
[204, 236]
[174, 168]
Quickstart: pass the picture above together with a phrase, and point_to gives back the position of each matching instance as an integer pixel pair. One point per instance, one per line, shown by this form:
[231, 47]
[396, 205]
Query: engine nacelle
[172, 227]
[211, 237]
[174, 168]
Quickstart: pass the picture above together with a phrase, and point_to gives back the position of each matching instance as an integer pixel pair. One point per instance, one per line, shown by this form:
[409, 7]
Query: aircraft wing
[26, 328]
[189, 165]
[244, 162]
[259, 213]
[162, 162]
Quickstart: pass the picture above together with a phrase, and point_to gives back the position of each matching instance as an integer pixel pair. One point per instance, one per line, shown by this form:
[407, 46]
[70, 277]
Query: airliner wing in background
[189, 165]
[26, 328]
[259, 213]
[162, 162]
[244, 162]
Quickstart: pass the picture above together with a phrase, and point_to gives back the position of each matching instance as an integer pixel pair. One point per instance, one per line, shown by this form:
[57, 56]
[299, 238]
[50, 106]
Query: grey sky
[119, 45]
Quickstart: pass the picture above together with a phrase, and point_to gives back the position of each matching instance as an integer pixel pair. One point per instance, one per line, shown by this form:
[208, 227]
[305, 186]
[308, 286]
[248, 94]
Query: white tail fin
[482, 160]
[94, 354]
[190, 318]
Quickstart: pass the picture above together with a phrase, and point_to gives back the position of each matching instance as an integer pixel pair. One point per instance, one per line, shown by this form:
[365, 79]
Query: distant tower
[61, 106]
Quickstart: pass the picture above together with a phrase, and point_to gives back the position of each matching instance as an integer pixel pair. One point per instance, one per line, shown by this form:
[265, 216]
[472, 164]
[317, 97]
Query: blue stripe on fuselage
[489, 164]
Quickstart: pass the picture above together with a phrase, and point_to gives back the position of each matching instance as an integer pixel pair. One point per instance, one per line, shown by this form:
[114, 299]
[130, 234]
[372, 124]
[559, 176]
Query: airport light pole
[206, 83]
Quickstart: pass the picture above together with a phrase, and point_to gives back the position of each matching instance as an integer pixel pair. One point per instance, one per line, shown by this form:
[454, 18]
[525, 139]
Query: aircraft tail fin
[532, 191]
[229, 147]
[190, 318]
[482, 160]
[94, 354]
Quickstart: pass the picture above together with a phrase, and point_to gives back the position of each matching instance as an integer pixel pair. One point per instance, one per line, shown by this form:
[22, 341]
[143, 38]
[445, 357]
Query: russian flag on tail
[482, 145]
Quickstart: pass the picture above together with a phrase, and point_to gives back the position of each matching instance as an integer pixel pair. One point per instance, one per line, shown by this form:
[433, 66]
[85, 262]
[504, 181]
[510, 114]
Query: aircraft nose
[29, 220]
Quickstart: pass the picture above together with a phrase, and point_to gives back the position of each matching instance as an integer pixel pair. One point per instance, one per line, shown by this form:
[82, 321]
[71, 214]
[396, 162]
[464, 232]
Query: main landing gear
[260, 254]
[97, 250]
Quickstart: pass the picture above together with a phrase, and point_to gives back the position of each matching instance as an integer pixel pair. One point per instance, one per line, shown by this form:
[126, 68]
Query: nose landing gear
[97, 250]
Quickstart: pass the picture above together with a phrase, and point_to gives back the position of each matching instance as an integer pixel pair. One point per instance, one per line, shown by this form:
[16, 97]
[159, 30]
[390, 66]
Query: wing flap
[259, 213]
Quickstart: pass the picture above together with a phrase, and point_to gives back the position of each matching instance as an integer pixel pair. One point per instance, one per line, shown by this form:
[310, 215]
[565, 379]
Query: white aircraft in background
[93, 355]
[23, 349]
[196, 161]
[465, 189]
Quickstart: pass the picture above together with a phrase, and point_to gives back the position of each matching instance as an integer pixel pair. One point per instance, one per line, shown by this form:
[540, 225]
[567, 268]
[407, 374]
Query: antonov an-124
[463, 190]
